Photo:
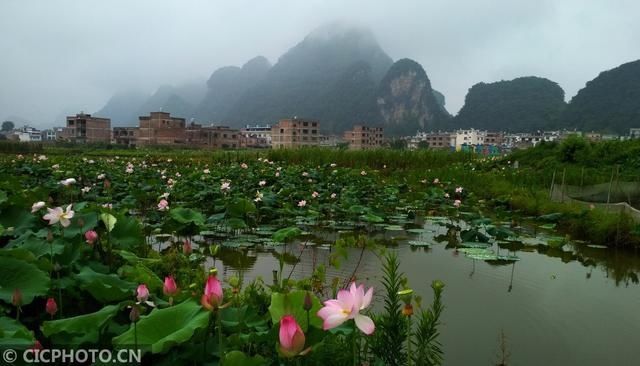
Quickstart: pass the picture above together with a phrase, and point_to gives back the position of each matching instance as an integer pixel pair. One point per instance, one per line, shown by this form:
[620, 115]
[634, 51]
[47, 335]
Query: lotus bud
[186, 247]
[308, 302]
[51, 307]
[291, 337]
[16, 298]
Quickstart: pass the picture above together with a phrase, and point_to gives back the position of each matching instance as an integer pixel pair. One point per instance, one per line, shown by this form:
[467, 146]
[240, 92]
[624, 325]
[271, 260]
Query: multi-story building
[494, 138]
[52, 134]
[159, 128]
[27, 134]
[212, 137]
[634, 133]
[124, 136]
[84, 128]
[469, 137]
[364, 138]
[295, 132]
[256, 136]
[438, 140]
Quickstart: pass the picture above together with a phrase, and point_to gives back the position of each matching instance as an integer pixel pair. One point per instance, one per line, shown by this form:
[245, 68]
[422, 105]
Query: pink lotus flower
[348, 306]
[51, 307]
[244, 166]
[225, 186]
[291, 337]
[333, 195]
[212, 297]
[363, 173]
[315, 194]
[446, 195]
[142, 293]
[91, 236]
[459, 190]
[262, 183]
[436, 181]
[206, 171]
[259, 196]
[170, 288]
[163, 205]
[37, 206]
[302, 203]
[457, 203]
[56, 215]
[277, 174]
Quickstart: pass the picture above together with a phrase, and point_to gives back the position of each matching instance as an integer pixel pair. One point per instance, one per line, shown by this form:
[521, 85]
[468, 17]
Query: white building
[634, 133]
[469, 137]
[27, 134]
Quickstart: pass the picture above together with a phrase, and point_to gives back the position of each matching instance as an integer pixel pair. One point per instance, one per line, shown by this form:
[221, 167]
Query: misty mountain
[610, 102]
[337, 74]
[125, 107]
[227, 85]
[406, 101]
[321, 78]
[522, 104]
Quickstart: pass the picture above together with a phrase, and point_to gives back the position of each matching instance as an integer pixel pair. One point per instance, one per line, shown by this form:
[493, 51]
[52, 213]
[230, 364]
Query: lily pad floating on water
[556, 242]
[420, 231]
[394, 228]
[475, 251]
[494, 257]
[595, 246]
[419, 243]
[548, 226]
[471, 244]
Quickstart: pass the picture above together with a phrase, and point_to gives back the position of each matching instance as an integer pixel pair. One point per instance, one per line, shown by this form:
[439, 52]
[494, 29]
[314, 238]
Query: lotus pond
[230, 262]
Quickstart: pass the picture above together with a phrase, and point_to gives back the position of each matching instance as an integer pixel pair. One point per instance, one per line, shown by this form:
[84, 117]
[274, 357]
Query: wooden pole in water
[564, 172]
[553, 181]
[582, 182]
[609, 193]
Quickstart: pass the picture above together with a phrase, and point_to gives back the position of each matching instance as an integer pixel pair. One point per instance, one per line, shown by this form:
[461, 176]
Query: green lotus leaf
[165, 328]
[109, 221]
[292, 303]
[105, 287]
[286, 234]
[82, 328]
[18, 274]
[237, 358]
[187, 216]
[14, 335]
[240, 207]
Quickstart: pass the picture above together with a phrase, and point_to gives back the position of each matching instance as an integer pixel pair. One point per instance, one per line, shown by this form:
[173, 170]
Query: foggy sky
[64, 56]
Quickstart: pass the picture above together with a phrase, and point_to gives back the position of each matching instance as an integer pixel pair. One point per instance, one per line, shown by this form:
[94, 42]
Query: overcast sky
[62, 56]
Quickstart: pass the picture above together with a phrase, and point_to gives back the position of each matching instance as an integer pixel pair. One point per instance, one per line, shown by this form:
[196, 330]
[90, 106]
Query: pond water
[575, 305]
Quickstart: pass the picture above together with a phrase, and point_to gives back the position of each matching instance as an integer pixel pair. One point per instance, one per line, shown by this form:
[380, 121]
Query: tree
[8, 126]
[423, 145]
[398, 144]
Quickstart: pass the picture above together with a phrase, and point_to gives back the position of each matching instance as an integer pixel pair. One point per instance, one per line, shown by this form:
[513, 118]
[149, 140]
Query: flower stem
[219, 324]
[409, 359]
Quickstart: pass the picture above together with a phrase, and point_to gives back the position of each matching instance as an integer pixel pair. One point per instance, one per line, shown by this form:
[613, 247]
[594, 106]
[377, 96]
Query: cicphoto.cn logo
[72, 356]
